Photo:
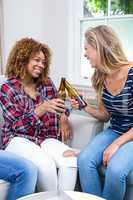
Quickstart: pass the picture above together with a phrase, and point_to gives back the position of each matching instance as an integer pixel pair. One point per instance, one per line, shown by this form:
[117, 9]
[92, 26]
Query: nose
[85, 55]
[41, 64]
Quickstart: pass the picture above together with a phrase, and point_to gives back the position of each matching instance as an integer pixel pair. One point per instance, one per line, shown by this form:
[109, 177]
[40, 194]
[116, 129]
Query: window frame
[74, 54]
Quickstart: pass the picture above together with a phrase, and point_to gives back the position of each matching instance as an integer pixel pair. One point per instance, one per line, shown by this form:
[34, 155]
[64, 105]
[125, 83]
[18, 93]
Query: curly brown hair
[21, 53]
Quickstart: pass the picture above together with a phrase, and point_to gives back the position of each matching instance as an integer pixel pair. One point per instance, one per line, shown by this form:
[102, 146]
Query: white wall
[56, 34]
[44, 20]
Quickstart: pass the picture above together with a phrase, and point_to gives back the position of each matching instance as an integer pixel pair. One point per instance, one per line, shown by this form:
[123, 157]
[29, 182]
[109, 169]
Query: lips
[38, 70]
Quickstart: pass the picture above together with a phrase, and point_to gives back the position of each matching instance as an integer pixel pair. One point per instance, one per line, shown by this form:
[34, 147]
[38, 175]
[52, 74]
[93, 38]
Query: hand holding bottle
[53, 105]
[74, 104]
[71, 92]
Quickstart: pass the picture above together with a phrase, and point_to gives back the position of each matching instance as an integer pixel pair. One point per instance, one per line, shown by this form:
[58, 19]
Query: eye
[37, 59]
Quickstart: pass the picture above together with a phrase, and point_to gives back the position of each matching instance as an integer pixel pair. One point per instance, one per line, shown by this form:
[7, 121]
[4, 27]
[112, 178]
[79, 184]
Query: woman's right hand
[74, 104]
[54, 105]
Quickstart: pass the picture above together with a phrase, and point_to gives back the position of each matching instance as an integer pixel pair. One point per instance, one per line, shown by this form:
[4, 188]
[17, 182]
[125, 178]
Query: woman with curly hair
[34, 117]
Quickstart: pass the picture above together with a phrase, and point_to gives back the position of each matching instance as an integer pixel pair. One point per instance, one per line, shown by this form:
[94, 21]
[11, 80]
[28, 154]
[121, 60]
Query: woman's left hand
[108, 153]
[69, 153]
[65, 128]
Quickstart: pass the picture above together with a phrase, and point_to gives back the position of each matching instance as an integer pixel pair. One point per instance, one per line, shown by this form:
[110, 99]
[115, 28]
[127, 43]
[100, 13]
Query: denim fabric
[117, 170]
[20, 173]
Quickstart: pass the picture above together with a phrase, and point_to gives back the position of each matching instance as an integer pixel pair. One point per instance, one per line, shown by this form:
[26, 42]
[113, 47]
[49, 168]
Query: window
[116, 13]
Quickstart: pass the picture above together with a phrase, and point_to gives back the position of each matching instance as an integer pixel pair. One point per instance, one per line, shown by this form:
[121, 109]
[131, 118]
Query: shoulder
[131, 70]
[10, 85]
[130, 74]
[130, 78]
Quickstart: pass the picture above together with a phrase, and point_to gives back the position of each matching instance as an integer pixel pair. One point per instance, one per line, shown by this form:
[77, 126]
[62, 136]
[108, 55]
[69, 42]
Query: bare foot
[69, 153]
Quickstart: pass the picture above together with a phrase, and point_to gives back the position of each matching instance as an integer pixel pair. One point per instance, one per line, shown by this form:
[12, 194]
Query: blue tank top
[120, 106]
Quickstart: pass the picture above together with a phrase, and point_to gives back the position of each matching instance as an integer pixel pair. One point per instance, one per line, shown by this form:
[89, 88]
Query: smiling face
[36, 65]
[90, 54]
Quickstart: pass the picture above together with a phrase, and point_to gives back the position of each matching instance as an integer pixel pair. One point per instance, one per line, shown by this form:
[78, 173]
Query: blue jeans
[20, 173]
[117, 170]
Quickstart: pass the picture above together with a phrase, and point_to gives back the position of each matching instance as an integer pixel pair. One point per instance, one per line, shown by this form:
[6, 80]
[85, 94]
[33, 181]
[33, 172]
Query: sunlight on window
[94, 9]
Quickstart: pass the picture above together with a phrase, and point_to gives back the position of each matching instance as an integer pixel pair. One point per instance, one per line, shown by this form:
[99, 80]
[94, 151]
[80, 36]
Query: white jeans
[48, 158]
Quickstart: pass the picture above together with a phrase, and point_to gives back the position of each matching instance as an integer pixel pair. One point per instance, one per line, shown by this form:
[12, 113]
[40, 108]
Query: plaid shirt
[18, 112]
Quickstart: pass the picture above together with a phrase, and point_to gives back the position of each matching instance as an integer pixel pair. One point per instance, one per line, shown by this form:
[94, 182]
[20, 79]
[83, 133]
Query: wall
[56, 34]
[44, 20]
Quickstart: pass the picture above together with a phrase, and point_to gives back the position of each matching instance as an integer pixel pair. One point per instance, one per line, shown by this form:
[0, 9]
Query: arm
[50, 102]
[99, 113]
[126, 137]
[16, 110]
[19, 114]
[65, 128]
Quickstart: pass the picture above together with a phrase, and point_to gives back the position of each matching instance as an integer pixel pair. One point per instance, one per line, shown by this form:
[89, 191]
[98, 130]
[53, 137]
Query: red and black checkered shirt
[18, 112]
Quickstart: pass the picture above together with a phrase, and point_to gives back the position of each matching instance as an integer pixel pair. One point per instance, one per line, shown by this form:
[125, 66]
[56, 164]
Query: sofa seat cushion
[3, 189]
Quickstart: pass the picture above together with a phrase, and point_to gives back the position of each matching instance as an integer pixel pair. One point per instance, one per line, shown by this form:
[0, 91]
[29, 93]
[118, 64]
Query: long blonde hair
[110, 55]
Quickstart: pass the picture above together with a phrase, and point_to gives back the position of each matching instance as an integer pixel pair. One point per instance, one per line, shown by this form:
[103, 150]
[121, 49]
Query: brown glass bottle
[72, 93]
[62, 90]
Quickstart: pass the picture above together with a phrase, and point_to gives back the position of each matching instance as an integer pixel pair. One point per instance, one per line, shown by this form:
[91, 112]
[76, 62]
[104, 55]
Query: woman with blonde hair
[34, 118]
[113, 83]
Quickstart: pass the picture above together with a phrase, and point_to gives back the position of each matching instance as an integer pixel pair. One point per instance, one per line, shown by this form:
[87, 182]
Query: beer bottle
[63, 94]
[73, 93]
[62, 91]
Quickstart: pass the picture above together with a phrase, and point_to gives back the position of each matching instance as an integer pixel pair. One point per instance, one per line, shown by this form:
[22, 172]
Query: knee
[30, 171]
[82, 159]
[22, 175]
[116, 172]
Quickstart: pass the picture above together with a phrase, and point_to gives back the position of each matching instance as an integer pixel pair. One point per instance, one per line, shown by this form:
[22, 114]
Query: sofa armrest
[84, 128]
